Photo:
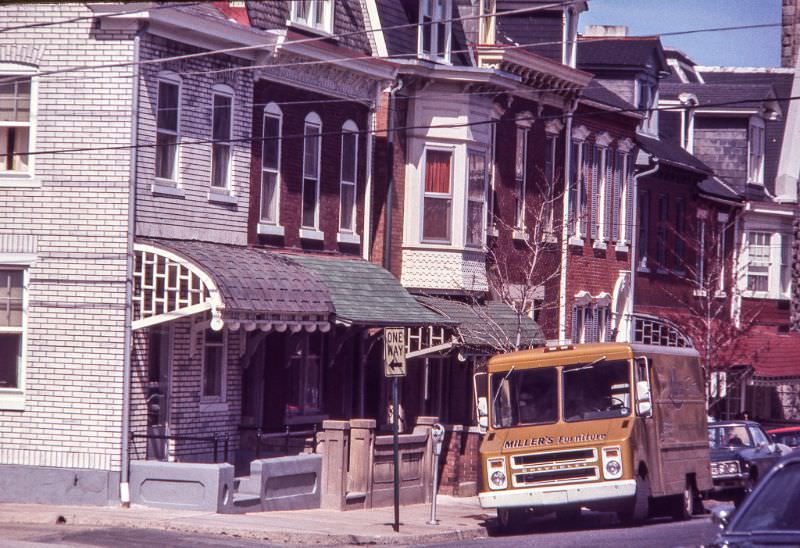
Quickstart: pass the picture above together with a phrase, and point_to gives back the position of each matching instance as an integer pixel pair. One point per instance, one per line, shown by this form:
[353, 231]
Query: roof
[364, 293]
[621, 52]
[717, 188]
[672, 154]
[722, 95]
[598, 93]
[490, 324]
[775, 354]
[254, 281]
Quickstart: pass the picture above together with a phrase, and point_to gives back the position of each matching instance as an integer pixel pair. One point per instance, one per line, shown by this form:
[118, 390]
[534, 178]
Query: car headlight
[612, 462]
[725, 468]
[497, 473]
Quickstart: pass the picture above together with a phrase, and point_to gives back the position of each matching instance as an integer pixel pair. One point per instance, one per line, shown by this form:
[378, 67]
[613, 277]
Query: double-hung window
[768, 264]
[433, 40]
[438, 198]
[577, 202]
[12, 282]
[644, 227]
[520, 176]
[315, 14]
[722, 224]
[305, 375]
[476, 198]
[755, 156]
[588, 190]
[168, 128]
[222, 129]
[270, 163]
[312, 137]
[550, 184]
[214, 370]
[16, 124]
[347, 199]
[758, 261]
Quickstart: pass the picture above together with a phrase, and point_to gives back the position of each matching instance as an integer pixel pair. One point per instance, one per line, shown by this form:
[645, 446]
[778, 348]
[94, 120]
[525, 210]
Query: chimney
[611, 31]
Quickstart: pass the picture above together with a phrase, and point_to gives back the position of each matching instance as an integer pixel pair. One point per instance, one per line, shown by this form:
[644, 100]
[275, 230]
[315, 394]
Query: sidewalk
[459, 518]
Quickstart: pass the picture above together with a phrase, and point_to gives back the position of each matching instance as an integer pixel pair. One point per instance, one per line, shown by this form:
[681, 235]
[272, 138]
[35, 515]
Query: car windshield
[598, 390]
[774, 506]
[728, 436]
[523, 397]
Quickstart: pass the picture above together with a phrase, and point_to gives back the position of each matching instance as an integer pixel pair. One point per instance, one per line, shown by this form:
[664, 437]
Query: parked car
[789, 435]
[769, 516]
[741, 453]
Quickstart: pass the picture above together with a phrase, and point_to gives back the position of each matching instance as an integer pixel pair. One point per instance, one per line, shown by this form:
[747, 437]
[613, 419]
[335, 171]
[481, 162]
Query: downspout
[124, 486]
[562, 288]
[634, 225]
[371, 122]
[387, 229]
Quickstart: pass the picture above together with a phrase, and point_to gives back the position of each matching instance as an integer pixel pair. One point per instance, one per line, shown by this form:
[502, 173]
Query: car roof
[733, 423]
[784, 429]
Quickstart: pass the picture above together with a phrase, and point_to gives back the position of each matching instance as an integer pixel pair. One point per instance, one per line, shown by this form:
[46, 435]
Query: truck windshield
[523, 397]
[598, 390]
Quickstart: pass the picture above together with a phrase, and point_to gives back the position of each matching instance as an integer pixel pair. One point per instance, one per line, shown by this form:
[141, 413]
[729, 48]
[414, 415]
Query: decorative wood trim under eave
[580, 133]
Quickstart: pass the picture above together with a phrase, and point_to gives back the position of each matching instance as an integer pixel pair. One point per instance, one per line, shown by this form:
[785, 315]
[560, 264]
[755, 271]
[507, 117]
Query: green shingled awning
[366, 294]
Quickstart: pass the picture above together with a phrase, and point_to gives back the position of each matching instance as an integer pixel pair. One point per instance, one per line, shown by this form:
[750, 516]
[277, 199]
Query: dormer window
[434, 30]
[646, 99]
[487, 28]
[755, 152]
[314, 14]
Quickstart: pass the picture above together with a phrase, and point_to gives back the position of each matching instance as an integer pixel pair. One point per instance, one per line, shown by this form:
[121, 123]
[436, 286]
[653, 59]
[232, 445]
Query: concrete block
[289, 483]
[187, 486]
[45, 485]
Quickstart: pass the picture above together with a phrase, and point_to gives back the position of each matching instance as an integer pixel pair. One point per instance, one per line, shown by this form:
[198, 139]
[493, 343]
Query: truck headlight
[612, 462]
[496, 470]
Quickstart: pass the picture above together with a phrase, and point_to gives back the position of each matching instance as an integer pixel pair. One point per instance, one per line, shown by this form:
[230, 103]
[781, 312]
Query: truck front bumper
[557, 495]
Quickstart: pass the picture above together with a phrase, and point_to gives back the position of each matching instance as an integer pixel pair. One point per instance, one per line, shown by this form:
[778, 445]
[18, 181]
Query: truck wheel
[639, 508]
[684, 505]
[510, 520]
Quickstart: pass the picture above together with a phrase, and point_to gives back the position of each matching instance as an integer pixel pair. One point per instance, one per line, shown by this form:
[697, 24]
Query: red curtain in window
[437, 171]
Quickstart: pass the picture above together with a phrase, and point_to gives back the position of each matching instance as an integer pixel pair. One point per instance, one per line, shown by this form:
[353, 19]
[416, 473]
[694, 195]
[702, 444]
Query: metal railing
[279, 440]
[215, 440]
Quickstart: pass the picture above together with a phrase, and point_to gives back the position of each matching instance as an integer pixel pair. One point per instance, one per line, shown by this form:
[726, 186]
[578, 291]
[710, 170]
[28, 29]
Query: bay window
[221, 132]
[347, 201]
[270, 163]
[758, 261]
[16, 124]
[755, 149]
[434, 37]
[167, 127]
[438, 198]
[312, 133]
[315, 14]
[476, 198]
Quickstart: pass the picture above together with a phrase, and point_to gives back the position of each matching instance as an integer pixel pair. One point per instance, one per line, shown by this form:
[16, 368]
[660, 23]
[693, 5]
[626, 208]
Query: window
[603, 323]
[584, 324]
[476, 198]
[755, 157]
[768, 266]
[607, 203]
[437, 206]
[167, 129]
[589, 185]
[213, 377]
[625, 199]
[490, 224]
[550, 183]
[222, 128]
[311, 158]
[486, 24]
[270, 163]
[315, 14]
[722, 222]
[520, 176]
[347, 201]
[644, 227]
[577, 200]
[680, 233]
[598, 178]
[433, 40]
[702, 215]
[663, 224]
[16, 124]
[758, 261]
[647, 97]
[305, 375]
[12, 282]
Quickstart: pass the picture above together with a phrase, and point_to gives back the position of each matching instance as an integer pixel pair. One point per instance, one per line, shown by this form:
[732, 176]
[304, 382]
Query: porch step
[250, 485]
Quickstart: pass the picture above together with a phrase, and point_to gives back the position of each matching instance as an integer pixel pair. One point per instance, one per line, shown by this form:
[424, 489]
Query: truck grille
[551, 476]
[549, 467]
[569, 456]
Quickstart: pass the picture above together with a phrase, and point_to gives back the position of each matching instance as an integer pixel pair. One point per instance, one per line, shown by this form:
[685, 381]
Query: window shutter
[617, 185]
[609, 194]
[583, 193]
[609, 334]
[593, 198]
[594, 331]
[575, 323]
[628, 188]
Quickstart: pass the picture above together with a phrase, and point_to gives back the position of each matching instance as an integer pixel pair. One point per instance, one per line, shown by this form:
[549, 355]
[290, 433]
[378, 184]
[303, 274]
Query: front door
[158, 387]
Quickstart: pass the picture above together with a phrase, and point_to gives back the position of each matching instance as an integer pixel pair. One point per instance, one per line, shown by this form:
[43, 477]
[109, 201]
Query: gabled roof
[631, 53]
[595, 92]
[672, 154]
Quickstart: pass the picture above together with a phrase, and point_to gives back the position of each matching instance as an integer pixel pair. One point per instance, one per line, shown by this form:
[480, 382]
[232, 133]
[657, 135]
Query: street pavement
[462, 521]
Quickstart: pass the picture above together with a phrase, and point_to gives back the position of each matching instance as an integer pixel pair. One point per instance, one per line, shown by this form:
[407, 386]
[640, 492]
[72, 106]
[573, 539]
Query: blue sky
[742, 48]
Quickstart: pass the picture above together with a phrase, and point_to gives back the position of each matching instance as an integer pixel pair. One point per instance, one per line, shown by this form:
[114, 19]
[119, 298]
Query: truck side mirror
[483, 414]
[644, 405]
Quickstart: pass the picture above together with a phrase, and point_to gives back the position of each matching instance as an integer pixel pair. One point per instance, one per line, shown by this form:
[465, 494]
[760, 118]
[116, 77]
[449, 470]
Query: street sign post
[394, 361]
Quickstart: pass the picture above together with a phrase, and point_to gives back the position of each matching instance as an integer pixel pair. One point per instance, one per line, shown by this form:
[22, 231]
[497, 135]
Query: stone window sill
[167, 189]
[600, 244]
[312, 234]
[348, 238]
[520, 234]
[12, 400]
[621, 248]
[576, 241]
[19, 180]
[213, 407]
[267, 229]
[222, 197]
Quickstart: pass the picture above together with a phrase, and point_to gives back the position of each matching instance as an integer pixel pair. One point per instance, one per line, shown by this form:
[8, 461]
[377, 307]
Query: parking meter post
[396, 451]
[437, 438]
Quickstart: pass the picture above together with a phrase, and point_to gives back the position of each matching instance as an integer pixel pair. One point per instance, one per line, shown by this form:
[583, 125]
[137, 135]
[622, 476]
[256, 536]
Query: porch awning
[492, 324]
[365, 294]
[241, 286]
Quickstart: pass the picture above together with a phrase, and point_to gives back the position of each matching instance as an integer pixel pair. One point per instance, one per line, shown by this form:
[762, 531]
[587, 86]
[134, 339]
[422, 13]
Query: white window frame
[325, 23]
[171, 79]
[436, 195]
[486, 23]
[227, 92]
[722, 223]
[223, 387]
[776, 267]
[755, 151]
[13, 399]
[439, 12]
[265, 225]
[484, 201]
[26, 177]
[602, 197]
[348, 234]
[522, 131]
[312, 120]
[551, 141]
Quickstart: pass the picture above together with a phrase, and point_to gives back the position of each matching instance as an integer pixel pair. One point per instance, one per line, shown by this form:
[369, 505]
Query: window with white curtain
[315, 14]
[347, 194]
[221, 133]
[270, 163]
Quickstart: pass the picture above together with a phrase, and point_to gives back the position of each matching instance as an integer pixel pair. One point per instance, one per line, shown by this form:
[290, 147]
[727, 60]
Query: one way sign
[394, 351]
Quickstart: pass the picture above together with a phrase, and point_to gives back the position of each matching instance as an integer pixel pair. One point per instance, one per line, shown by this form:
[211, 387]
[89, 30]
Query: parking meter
[437, 440]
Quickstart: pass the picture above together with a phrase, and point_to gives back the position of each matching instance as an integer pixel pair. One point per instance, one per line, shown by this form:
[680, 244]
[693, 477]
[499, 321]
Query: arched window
[270, 163]
[349, 176]
[312, 140]
[221, 134]
[168, 123]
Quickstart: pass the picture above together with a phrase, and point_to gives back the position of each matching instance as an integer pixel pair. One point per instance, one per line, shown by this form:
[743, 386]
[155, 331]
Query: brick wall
[73, 218]
[790, 32]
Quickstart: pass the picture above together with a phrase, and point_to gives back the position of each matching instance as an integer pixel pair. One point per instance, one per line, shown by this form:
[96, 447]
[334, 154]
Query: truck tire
[510, 520]
[638, 509]
[683, 506]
